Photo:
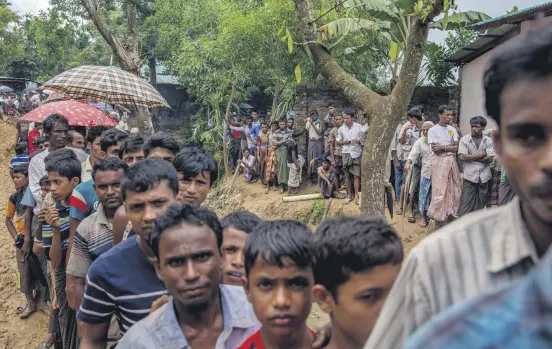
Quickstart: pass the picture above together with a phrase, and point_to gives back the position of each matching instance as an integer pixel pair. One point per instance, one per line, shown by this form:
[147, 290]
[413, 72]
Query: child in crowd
[249, 167]
[42, 143]
[15, 223]
[64, 173]
[235, 228]
[325, 179]
[279, 285]
[262, 152]
[355, 263]
[21, 157]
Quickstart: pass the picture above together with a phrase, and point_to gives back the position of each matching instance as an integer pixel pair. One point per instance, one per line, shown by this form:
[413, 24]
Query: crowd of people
[131, 259]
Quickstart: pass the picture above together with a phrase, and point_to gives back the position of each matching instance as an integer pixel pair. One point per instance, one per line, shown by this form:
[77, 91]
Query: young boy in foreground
[279, 285]
[355, 263]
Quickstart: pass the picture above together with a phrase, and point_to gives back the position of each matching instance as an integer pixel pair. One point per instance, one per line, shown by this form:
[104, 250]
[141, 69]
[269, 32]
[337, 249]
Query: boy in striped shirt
[21, 157]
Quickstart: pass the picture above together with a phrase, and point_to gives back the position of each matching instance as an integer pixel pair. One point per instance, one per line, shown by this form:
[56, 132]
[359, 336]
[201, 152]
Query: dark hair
[245, 150]
[347, 245]
[528, 58]
[264, 123]
[108, 164]
[65, 162]
[249, 117]
[242, 221]
[326, 161]
[41, 140]
[51, 120]
[131, 144]
[443, 108]
[95, 132]
[161, 140]
[146, 174]
[192, 161]
[292, 119]
[178, 214]
[21, 148]
[111, 137]
[349, 112]
[415, 113]
[330, 105]
[314, 112]
[274, 123]
[43, 180]
[275, 240]
[22, 169]
[71, 134]
[478, 120]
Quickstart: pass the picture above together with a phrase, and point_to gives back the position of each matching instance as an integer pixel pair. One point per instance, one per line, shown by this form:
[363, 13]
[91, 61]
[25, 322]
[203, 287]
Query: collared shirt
[395, 143]
[250, 132]
[478, 253]
[510, 318]
[162, 329]
[475, 171]
[421, 153]
[93, 237]
[351, 134]
[333, 138]
[313, 136]
[86, 173]
[47, 230]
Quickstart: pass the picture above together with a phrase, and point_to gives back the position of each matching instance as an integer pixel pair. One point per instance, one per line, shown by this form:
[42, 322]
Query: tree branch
[414, 54]
[120, 52]
[142, 7]
[330, 69]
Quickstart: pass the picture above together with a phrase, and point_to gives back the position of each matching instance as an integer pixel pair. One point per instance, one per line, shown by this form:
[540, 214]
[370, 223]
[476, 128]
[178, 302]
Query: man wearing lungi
[349, 137]
[477, 153]
[446, 189]
[315, 131]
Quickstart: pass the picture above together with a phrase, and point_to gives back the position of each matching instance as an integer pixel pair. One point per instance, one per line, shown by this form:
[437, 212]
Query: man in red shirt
[33, 135]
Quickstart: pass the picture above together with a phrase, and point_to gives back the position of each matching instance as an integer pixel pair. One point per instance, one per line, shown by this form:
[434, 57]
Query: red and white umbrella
[76, 113]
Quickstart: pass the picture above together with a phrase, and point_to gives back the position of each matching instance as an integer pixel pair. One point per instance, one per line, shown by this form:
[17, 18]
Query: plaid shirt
[517, 316]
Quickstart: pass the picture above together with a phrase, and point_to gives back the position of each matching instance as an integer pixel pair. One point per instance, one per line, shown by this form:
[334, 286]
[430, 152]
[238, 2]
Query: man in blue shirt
[201, 313]
[123, 281]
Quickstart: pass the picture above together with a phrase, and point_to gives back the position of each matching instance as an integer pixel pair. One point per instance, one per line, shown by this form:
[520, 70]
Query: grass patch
[314, 216]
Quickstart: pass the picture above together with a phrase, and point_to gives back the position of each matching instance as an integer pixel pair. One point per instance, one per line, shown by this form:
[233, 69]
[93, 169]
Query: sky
[493, 8]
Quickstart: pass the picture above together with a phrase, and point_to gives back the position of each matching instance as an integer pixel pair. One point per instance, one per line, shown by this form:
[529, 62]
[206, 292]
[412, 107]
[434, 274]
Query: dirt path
[24, 334]
[14, 332]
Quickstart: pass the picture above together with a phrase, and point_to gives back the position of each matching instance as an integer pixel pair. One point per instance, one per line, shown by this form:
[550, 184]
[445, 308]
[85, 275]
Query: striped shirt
[476, 254]
[47, 229]
[19, 160]
[83, 201]
[123, 282]
[94, 237]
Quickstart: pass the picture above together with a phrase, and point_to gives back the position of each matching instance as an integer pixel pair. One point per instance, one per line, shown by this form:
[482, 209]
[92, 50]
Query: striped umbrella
[76, 113]
[110, 84]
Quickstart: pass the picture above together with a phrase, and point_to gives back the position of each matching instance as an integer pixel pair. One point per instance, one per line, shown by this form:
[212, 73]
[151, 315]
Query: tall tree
[384, 111]
[127, 51]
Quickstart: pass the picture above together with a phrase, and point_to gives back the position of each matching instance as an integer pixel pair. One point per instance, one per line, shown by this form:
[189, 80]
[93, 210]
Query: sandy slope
[14, 332]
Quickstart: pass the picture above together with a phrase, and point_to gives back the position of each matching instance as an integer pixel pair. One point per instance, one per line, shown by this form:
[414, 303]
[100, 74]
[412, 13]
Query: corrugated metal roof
[481, 45]
[513, 17]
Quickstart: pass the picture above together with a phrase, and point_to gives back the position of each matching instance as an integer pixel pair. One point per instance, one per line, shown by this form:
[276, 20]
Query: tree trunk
[276, 96]
[385, 112]
[225, 133]
[152, 67]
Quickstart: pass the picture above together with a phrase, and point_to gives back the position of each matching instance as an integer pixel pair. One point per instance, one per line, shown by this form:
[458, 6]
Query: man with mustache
[487, 249]
[123, 280]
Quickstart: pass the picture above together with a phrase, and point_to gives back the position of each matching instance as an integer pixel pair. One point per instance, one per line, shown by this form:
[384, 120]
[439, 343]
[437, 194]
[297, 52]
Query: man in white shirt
[477, 153]
[446, 183]
[349, 137]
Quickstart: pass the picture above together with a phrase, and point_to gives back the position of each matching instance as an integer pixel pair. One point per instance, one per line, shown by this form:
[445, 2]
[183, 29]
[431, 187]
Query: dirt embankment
[14, 332]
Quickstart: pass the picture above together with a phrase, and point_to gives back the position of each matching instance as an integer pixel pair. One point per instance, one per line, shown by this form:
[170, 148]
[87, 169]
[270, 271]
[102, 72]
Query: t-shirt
[291, 148]
[442, 135]
[83, 201]
[16, 210]
[333, 138]
[19, 160]
[93, 237]
[33, 134]
[123, 282]
[256, 342]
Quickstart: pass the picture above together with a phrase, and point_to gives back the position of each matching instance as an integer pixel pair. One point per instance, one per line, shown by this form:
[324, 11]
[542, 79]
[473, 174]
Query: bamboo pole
[302, 197]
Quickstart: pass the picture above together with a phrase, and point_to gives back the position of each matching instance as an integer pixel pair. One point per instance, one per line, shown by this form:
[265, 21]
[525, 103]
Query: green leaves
[298, 74]
[343, 26]
[394, 51]
[459, 20]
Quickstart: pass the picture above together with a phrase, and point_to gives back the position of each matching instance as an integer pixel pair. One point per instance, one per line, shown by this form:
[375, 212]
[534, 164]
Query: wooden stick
[328, 205]
[236, 172]
[302, 197]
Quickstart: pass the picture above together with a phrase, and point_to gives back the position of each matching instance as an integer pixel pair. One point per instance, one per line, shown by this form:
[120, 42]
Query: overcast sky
[493, 8]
